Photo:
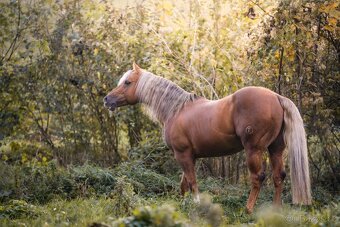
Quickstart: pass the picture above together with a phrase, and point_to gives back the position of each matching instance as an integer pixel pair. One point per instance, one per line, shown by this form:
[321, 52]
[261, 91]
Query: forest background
[58, 59]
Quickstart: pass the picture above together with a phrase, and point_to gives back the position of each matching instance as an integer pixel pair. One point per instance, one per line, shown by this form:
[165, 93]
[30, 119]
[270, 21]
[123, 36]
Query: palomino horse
[254, 119]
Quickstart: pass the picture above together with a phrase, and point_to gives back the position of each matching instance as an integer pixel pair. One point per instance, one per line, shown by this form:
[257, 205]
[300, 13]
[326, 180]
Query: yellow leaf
[84, 86]
[329, 7]
[335, 13]
[136, 212]
[328, 28]
[4, 157]
[277, 54]
[213, 63]
[23, 158]
[291, 56]
[332, 21]
[95, 52]
[167, 7]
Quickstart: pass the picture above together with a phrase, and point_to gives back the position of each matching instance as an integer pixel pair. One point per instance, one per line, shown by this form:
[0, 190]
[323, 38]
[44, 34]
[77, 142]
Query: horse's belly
[218, 147]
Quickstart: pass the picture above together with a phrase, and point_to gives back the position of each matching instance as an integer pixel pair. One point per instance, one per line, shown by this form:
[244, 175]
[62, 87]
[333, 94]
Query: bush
[206, 209]
[22, 152]
[18, 209]
[93, 180]
[146, 181]
[124, 197]
[36, 183]
[164, 216]
[156, 156]
[327, 216]
[43, 183]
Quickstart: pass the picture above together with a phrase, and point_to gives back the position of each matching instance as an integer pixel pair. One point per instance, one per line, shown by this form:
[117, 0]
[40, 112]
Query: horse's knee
[279, 178]
[262, 177]
[257, 180]
[283, 175]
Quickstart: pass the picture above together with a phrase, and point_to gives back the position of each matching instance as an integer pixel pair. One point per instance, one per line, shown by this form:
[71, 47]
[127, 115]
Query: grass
[86, 211]
[60, 212]
[133, 195]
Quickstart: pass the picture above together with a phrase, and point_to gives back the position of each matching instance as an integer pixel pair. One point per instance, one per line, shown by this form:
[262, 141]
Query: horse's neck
[164, 99]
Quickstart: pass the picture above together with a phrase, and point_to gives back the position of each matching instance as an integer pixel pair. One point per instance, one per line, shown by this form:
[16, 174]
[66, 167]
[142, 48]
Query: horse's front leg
[184, 185]
[187, 162]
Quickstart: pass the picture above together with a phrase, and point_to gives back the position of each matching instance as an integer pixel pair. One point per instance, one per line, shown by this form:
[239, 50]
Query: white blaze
[124, 77]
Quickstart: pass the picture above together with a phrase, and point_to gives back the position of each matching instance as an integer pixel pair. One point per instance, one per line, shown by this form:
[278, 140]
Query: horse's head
[125, 92]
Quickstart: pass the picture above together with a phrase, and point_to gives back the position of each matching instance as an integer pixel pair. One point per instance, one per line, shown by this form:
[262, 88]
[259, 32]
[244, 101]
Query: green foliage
[23, 152]
[16, 209]
[37, 183]
[206, 209]
[146, 181]
[76, 212]
[287, 217]
[93, 180]
[156, 156]
[43, 183]
[58, 59]
[146, 216]
[124, 198]
[78, 196]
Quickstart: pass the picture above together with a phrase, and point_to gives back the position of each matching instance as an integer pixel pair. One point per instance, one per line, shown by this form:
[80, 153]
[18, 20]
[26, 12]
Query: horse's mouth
[111, 107]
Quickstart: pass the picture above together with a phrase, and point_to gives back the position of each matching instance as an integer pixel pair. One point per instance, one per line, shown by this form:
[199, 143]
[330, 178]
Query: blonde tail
[295, 139]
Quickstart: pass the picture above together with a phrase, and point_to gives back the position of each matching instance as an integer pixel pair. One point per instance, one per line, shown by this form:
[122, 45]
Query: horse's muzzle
[110, 103]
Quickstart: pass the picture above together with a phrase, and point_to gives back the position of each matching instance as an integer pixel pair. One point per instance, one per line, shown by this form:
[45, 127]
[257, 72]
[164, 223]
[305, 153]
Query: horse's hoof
[197, 199]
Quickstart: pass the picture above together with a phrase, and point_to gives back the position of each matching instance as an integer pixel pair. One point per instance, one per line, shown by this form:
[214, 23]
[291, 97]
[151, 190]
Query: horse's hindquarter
[258, 116]
[206, 127]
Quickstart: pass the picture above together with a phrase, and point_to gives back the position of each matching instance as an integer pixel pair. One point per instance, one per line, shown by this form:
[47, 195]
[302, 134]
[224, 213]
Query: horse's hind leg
[257, 175]
[275, 154]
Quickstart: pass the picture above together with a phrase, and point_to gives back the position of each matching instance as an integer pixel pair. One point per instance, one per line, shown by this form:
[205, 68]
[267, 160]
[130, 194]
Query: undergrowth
[40, 184]
[132, 194]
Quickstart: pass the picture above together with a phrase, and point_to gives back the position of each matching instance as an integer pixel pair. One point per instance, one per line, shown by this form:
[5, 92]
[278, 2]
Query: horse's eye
[127, 82]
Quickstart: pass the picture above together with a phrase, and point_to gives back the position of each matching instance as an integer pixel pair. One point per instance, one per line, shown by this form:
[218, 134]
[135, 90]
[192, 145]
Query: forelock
[124, 77]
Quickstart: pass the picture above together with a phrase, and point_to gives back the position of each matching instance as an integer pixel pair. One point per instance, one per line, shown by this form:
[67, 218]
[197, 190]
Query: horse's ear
[136, 67]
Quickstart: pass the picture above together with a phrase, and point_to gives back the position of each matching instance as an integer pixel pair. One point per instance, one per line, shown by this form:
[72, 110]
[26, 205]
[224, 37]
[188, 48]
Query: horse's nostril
[105, 99]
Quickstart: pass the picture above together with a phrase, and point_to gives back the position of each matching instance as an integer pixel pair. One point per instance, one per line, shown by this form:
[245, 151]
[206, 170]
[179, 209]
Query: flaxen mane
[163, 98]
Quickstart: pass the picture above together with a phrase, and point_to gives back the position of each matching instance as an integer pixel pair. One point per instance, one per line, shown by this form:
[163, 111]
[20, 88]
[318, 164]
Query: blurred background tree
[58, 59]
